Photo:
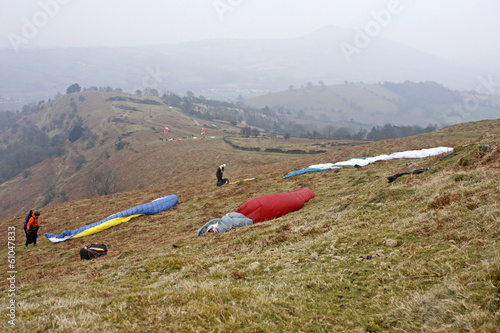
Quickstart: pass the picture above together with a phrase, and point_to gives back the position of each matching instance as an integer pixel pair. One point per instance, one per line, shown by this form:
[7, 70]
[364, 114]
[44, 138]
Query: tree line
[32, 147]
[24, 144]
[377, 133]
[277, 122]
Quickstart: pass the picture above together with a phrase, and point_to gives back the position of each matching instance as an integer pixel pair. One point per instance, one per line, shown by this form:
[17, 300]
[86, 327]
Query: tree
[49, 191]
[246, 131]
[75, 133]
[103, 182]
[187, 105]
[342, 134]
[79, 161]
[360, 135]
[75, 87]
[150, 92]
[328, 131]
[240, 101]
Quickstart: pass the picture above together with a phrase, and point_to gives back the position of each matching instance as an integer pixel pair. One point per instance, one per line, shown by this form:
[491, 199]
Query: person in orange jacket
[32, 229]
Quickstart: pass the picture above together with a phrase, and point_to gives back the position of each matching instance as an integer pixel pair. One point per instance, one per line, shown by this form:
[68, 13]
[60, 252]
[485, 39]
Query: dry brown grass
[324, 268]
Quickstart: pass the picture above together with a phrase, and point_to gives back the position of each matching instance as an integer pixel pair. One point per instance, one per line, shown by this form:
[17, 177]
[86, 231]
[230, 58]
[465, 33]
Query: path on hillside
[189, 118]
[179, 113]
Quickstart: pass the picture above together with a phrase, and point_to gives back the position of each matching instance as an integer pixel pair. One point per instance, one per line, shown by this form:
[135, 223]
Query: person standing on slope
[31, 229]
[219, 174]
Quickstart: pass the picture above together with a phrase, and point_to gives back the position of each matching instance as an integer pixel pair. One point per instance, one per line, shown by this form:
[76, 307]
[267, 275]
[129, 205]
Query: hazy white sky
[447, 28]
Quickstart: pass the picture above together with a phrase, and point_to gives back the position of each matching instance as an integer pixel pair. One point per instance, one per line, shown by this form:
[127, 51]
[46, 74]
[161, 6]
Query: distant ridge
[222, 69]
[356, 104]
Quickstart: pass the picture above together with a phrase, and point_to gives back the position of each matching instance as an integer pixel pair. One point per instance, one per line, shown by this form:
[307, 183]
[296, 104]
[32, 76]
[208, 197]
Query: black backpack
[27, 219]
[93, 251]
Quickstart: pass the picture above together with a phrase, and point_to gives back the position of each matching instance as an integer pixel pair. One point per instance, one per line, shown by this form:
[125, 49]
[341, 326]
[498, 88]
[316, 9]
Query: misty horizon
[235, 45]
[456, 30]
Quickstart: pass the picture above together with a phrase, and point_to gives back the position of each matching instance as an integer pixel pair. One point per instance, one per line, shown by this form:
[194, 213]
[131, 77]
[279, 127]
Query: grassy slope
[302, 271]
[155, 161]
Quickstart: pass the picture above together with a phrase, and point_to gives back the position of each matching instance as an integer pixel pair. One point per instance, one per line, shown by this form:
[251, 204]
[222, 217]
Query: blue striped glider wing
[150, 208]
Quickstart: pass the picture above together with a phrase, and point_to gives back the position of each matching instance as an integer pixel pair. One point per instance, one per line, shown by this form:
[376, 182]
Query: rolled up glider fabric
[228, 221]
[362, 161]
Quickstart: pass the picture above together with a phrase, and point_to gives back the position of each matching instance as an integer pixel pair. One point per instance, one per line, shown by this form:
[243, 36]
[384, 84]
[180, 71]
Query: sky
[453, 29]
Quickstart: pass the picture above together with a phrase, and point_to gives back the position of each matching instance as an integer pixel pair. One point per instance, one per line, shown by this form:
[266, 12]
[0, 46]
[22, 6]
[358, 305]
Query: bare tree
[246, 131]
[104, 182]
[49, 191]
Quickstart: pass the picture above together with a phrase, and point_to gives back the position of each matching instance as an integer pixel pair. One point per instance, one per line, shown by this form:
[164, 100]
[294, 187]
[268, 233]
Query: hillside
[326, 267]
[120, 137]
[356, 104]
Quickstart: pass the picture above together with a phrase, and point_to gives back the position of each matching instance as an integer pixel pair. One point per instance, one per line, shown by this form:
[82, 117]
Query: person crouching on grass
[32, 229]
[219, 174]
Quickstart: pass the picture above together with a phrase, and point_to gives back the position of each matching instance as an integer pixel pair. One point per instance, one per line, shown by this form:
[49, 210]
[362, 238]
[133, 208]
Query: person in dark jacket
[219, 174]
[32, 229]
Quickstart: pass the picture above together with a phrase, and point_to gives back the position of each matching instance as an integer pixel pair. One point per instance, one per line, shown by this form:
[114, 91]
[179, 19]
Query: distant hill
[223, 69]
[354, 104]
[116, 132]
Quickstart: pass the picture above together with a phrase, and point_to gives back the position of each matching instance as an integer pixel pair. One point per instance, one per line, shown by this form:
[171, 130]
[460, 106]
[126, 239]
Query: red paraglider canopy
[270, 206]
